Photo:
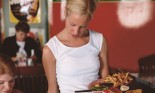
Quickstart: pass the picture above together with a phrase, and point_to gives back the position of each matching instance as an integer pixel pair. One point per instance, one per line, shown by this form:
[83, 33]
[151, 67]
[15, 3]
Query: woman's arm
[49, 63]
[104, 70]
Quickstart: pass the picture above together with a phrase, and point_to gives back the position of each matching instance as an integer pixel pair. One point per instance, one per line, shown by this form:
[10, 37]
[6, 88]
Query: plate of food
[118, 79]
[115, 83]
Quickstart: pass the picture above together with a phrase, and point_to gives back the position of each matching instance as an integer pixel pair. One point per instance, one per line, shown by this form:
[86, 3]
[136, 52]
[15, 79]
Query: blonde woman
[73, 58]
[7, 74]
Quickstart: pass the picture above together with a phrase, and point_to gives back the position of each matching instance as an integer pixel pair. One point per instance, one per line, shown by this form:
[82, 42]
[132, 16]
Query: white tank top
[76, 67]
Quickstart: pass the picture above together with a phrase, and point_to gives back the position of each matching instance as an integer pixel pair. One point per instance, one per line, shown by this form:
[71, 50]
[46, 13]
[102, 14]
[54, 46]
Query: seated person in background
[7, 74]
[20, 45]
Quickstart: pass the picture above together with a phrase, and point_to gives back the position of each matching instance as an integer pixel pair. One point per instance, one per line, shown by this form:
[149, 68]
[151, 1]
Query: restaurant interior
[131, 41]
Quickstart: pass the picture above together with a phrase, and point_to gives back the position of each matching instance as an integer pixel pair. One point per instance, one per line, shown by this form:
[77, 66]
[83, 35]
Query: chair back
[31, 79]
[147, 65]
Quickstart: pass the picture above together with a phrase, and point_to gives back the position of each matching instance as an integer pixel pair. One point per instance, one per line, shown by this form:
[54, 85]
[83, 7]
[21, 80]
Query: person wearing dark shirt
[21, 43]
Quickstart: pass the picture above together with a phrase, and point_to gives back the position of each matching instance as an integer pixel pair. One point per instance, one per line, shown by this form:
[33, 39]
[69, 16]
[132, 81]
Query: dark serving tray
[146, 87]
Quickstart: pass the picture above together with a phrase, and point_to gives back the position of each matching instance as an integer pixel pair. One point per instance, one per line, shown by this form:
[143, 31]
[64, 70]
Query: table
[31, 70]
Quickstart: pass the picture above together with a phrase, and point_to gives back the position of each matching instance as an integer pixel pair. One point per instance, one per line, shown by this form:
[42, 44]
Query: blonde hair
[82, 7]
[7, 66]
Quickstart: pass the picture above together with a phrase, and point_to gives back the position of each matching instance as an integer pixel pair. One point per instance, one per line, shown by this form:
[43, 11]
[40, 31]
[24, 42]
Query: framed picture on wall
[25, 10]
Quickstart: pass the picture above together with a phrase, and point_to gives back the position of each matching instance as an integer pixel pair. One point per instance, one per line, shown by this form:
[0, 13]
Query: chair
[147, 68]
[31, 79]
[147, 65]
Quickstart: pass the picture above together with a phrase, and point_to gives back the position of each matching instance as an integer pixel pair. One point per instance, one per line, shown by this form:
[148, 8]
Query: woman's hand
[95, 83]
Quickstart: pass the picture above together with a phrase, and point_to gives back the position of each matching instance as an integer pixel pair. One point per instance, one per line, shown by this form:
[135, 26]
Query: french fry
[118, 79]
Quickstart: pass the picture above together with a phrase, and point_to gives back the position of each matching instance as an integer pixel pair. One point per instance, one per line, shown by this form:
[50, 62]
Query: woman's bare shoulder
[46, 49]
[17, 91]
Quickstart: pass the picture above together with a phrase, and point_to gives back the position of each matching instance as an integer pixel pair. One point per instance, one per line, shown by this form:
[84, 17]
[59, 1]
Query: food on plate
[106, 84]
[134, 91]
[104, 91]
[124, 88]
[98, 87]
[105, 88]
[115, 90]
[112, 82]
[118, 79]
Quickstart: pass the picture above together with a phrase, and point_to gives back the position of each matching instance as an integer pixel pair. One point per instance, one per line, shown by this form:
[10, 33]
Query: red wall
[125, 46]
